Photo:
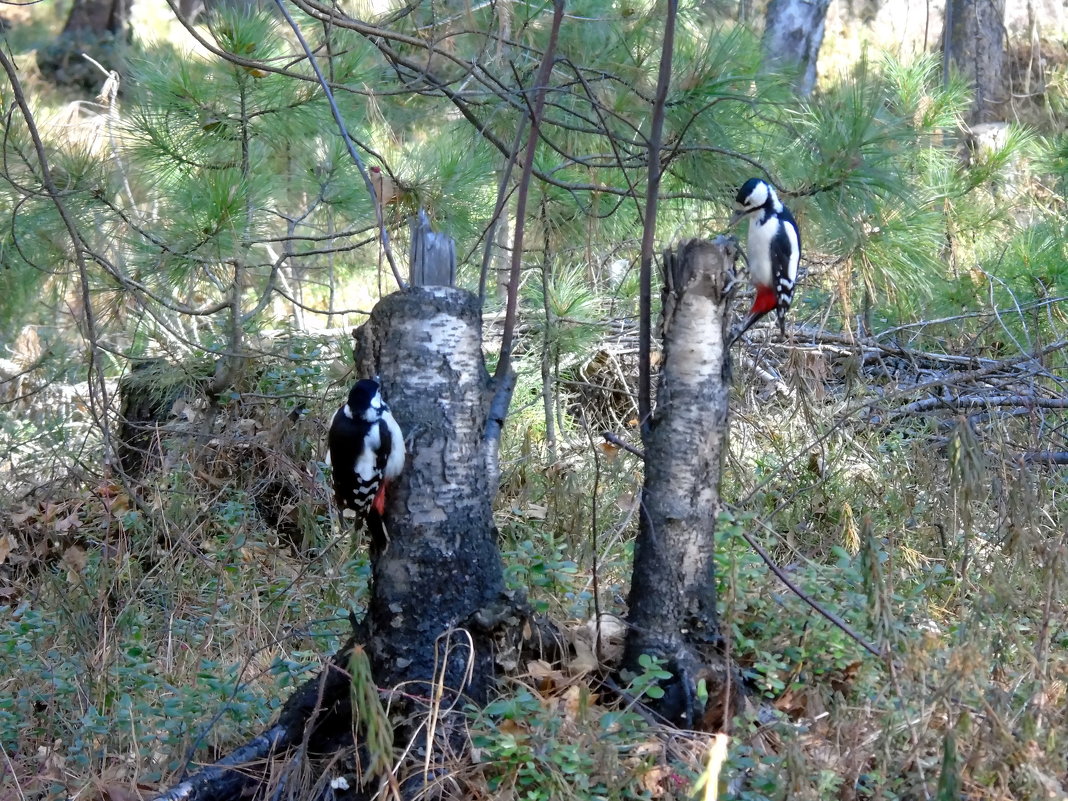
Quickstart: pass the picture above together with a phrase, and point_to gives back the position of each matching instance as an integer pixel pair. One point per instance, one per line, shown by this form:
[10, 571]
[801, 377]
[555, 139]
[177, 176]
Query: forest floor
[916, 495]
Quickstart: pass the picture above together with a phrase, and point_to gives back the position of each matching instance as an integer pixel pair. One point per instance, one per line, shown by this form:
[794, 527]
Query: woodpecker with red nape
[366, 450]
[774, 251]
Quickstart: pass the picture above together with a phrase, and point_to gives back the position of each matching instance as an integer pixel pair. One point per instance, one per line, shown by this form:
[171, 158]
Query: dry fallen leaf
[545, 676]
[67, 523]
[120, 504]
[610, 450]
[535, 512]
[793, 703]
[21, 517]
[613, 631]
[7, 545]
[577, 698]
[74, 559]
[584, 660]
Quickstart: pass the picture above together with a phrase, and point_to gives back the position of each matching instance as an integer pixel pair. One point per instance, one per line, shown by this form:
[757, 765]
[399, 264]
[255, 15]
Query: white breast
[365, 462]
[759, 251]
[395, 461]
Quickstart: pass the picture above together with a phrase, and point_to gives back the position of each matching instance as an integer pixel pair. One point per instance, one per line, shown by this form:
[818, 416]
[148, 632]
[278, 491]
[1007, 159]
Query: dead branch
[1045, 457]
[618, 441]
[504, 363]
[652, 190]
[982, 402]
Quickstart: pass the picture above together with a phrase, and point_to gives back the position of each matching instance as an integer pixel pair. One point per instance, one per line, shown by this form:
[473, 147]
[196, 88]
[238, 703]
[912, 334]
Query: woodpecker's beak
[736, 218]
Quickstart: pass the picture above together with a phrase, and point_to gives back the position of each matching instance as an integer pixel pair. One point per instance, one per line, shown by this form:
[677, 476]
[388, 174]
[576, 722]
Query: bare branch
[376, 201]
[826, 613]
[504, 363]
[649, 230]
[982, 402]
[619, 442]
[1045, 457]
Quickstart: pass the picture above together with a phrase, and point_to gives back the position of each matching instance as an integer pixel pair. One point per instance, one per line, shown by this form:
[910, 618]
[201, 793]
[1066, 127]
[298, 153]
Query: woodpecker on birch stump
[366, 450]
[773, 251]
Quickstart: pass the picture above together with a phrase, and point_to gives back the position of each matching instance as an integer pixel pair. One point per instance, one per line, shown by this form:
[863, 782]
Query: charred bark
[793, 34]
[436, 564]
[672, 599]
[148, 393]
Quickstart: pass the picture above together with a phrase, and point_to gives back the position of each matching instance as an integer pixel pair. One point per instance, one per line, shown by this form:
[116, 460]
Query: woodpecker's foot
[413, 432]
[744, 257]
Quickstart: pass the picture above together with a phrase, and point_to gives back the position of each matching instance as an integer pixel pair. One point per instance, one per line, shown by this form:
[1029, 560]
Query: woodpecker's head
[365, 401]
[754, 195]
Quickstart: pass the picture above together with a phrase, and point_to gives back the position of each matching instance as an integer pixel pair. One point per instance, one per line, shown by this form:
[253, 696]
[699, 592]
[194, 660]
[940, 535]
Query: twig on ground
[618, 441]
[829, 615]
[1045, 457]
[981, 402]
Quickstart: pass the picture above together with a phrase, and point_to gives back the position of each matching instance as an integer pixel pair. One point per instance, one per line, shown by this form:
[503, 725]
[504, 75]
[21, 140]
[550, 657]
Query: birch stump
[435, 566]
[672, 603]
[437, 590]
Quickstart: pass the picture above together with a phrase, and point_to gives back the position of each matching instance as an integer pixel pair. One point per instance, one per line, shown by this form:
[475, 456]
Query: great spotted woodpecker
[773, 253]
[366, 450]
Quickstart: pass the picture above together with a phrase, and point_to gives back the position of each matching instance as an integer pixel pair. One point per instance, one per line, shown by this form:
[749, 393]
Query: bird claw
[413, 432]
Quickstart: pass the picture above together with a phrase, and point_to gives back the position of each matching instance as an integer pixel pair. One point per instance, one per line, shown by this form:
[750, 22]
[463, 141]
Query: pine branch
[375, 200]
[99, 403]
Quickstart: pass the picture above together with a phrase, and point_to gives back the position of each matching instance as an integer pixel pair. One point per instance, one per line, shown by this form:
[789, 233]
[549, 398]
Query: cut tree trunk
[148, 394]
[437, 566]
[672, 599]
[793, 34]
[437, 592]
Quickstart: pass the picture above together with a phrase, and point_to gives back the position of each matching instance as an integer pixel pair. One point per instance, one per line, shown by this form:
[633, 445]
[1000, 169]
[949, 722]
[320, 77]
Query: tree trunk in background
[147, 398]
[673, 592]
[973, 42]
[100, 28]
[436, 570]
[793, 33]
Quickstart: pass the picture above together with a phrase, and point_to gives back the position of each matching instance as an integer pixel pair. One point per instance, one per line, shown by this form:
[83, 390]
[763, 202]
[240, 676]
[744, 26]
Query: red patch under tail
[379, 503]
[765, 300]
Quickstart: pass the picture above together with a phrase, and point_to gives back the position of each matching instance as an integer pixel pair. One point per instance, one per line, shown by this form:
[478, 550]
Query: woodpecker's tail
[749, 321]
